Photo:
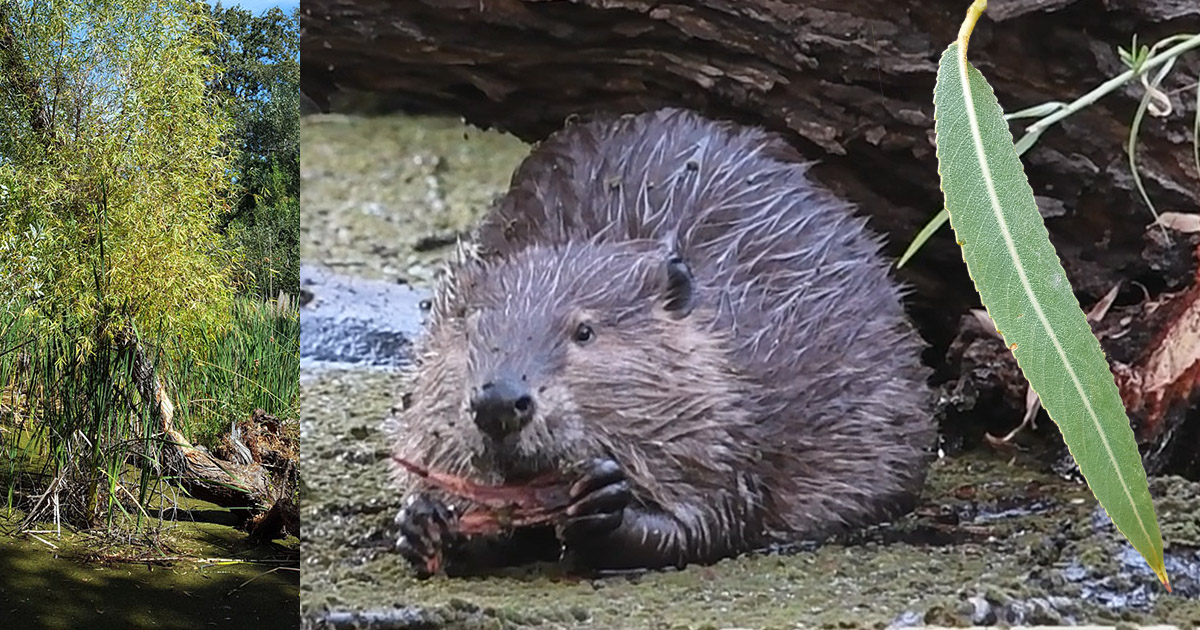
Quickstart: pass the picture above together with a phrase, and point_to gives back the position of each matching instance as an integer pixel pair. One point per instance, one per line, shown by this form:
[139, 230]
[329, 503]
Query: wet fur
[790, 402]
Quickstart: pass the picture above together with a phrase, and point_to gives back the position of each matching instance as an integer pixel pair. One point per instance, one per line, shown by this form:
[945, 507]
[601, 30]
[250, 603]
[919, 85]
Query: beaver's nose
[502, 408]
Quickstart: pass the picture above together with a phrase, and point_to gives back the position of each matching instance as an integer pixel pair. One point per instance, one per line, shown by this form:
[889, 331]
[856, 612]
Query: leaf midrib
[1012, 251]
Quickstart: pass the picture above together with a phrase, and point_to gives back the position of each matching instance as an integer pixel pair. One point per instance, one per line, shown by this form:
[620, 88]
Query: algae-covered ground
[380, 198]
[182, 564]
[86, 581]
[994, 541]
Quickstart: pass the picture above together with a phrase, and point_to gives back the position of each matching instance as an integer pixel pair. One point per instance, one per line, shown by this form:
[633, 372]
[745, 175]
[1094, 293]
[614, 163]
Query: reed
[80, 444]
[255, 365]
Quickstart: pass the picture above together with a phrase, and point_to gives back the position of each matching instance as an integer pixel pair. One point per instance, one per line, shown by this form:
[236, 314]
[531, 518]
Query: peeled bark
[849, 82]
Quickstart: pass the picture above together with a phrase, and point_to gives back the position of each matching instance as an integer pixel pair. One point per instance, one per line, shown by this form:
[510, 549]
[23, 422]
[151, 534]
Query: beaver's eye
[584, 334]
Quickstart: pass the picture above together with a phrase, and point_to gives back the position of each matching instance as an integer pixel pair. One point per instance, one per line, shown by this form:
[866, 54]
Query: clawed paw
[597, 501]
[427, 527]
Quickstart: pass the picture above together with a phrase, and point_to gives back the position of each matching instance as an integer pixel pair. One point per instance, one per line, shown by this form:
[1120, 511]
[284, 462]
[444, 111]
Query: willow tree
[113, 171]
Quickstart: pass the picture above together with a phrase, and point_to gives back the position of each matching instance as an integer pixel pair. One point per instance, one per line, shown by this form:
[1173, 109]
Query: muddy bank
[993, 542]
[79, 584]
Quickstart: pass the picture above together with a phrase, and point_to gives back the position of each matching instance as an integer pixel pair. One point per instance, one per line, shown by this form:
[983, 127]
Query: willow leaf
[1022, 283]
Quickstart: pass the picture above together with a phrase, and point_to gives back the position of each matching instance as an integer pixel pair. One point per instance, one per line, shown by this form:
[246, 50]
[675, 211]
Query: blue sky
[258, 6]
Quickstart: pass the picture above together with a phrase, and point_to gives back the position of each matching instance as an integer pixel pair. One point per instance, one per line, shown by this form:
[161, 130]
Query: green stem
[968, 25]
[1112, 84]
[1034, 131]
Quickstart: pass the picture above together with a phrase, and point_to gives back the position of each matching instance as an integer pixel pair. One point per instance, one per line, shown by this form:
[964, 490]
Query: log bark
[849, 82]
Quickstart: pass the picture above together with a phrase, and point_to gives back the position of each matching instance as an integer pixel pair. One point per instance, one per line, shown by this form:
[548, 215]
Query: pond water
[66, 587]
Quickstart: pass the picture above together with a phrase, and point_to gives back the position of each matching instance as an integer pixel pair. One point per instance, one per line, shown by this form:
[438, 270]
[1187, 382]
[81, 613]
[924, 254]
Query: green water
[69, 588]
[65, 579]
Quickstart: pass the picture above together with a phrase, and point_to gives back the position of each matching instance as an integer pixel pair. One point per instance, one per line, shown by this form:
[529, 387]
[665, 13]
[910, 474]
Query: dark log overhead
[849, 82]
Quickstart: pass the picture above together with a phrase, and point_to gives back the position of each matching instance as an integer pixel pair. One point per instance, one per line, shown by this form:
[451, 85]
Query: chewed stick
[498, 509]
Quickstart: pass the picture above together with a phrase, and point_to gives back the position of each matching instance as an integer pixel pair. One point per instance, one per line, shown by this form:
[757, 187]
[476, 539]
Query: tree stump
[849, 83]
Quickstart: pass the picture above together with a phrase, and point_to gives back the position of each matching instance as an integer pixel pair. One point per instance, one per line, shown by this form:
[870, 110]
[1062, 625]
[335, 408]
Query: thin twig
[43, 541]
[243, 584]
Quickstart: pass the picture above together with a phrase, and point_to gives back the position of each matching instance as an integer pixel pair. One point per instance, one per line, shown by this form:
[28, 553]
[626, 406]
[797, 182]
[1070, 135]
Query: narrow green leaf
[1196, 131]
[1131, 147]
[918, 241]
[1027, 141]
[1022, 283]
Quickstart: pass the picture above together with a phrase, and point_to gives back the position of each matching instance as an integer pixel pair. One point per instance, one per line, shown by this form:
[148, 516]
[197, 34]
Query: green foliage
[253, 365]
[260, 83]
[116, 173]
[268, 237]
[1025, 289]
[1140, 60]
[1154, 100]
[72, 415]
[114, 160]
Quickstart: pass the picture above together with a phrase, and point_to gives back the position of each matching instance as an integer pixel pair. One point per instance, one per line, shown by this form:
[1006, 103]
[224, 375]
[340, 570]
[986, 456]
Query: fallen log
[242, 486]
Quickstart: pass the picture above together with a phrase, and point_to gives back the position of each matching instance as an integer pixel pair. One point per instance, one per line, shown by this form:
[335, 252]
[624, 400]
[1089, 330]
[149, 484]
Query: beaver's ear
[679, 296]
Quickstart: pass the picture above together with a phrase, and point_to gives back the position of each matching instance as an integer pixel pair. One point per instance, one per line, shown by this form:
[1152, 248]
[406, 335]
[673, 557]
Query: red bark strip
[498, 509]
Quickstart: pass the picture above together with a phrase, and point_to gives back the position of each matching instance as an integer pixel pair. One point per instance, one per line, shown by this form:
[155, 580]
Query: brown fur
[790, 402]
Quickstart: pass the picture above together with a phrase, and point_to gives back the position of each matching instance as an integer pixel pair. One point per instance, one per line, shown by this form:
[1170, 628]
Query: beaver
[665, 308]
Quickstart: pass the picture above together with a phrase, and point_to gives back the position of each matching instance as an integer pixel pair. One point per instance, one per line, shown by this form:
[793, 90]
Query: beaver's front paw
[427, 528]
[598, 501]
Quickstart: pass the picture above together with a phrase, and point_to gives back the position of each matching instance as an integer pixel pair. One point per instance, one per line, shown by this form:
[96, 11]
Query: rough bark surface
[849, 82]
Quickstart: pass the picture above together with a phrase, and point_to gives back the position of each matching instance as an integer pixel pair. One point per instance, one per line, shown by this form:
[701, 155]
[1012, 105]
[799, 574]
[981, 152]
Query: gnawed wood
[498, 509]
[243, 486]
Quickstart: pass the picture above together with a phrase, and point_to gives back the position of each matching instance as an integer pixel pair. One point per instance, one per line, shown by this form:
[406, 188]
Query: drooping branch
[203, 476]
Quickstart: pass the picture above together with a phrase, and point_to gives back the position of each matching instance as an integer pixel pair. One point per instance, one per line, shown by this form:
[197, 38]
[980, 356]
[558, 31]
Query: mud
[996, 540]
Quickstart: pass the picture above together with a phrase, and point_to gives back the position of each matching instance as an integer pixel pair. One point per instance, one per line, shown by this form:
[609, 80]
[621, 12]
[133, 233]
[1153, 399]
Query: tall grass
[253, 366]
[79, 440]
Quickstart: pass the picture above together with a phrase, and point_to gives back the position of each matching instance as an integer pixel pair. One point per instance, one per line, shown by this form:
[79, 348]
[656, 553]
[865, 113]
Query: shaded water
[68, 587]
[184, 564]
[993, 541]
[356, 321]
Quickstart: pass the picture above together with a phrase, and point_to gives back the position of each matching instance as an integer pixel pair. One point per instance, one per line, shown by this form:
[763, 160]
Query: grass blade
[1022, 283]
[918, 241]
[1196, 131]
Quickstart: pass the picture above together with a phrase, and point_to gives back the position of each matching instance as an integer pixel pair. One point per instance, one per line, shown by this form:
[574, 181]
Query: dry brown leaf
[1186, 222]
[1177, 352]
